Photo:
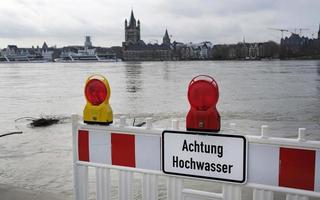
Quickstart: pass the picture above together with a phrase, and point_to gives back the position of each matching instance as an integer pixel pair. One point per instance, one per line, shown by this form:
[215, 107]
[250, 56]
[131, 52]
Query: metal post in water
[302, 135]
[233, 127]
[263, 131]
[122, 121]
[148, 123]
[175, 124]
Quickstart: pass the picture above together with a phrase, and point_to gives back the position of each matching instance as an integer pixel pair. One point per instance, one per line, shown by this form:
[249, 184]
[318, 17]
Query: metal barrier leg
[150, 187]
[81, 182]
[103, 184]
[174, 186]
[189, 194]
[125, 185]
[231, 192]
[262, 195]
[296, 197]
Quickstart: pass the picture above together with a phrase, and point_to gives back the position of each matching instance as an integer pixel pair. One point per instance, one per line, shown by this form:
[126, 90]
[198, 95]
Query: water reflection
[166, 71]
[318, 80]
[133, 77]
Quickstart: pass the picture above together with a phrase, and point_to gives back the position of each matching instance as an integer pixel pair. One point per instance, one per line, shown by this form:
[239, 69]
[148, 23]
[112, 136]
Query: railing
[175, 189]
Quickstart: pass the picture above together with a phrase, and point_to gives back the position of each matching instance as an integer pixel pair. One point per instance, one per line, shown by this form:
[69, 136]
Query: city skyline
[31, 22]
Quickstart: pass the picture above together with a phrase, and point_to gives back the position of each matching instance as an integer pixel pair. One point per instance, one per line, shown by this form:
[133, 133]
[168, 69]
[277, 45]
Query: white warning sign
[205, 155]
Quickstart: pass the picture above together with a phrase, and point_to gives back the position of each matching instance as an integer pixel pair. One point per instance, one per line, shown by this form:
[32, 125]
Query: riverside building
[297, 46]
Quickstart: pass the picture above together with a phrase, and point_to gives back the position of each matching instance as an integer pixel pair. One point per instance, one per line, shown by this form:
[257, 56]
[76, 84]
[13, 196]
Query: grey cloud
[220, 21]
[196, 8]
[16, 30]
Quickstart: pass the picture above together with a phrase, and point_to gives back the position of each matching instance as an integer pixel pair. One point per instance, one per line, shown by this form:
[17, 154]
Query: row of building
[143, 52]
[246, 51]
[135, 49]
[65, 54]
[296, 46]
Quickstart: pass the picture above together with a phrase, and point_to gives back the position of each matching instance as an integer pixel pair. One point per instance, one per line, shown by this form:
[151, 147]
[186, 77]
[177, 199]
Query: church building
[135, 49]
[132, 31]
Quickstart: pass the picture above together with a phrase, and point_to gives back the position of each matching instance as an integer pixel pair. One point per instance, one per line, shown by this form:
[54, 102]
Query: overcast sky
[66, 22]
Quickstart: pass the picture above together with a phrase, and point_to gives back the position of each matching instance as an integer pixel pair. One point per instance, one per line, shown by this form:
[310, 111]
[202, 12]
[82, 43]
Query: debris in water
[27, 118]
[138, 124]
[43, 122]
[11, 133]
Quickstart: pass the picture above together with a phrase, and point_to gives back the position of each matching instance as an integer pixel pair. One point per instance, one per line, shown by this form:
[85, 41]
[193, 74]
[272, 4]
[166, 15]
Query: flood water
[282, 94]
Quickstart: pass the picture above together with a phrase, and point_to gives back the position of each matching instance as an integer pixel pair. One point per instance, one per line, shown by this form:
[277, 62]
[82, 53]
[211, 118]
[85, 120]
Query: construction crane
[279, 29]
[300, 30]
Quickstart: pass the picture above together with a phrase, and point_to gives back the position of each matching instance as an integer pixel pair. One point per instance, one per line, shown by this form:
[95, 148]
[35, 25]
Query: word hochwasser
[194, 164]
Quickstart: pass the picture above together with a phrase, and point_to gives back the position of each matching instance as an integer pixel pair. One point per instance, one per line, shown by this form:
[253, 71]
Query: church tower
[166, 38]
[132, 31]
[87, 42]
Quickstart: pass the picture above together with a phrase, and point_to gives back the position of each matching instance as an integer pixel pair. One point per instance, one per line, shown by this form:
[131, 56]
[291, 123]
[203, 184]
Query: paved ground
[8, 192]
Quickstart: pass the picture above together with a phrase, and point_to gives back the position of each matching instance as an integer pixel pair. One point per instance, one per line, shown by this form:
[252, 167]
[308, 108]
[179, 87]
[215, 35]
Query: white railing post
[80, 173]
[174, 184]
[262, 194]
[81, 185]
[302, 135]
[174, 187]
[150, 187]
[103, 184]
[74, 121]
[125, 185]
[231, 192]
[190, 194]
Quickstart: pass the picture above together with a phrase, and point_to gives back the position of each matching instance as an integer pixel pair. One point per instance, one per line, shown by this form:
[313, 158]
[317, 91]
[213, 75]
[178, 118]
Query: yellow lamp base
[101, 114]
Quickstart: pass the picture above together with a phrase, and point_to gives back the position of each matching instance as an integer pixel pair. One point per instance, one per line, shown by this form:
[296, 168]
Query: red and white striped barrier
[284, 166]
[267, 164]
[274, 164]
[122, 149]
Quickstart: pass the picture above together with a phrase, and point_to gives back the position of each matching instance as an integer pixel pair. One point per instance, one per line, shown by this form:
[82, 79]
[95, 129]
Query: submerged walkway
[8, 192]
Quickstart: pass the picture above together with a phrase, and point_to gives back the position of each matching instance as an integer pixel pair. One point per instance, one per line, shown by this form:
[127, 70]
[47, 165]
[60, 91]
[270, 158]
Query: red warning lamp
[95, 91]
[203, 95]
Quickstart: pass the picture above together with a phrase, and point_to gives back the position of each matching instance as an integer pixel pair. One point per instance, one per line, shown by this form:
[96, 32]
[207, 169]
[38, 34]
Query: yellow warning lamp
[97, 109]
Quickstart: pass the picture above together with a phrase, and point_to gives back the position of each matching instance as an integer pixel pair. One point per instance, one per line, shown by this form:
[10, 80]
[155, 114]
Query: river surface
[282, 94]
